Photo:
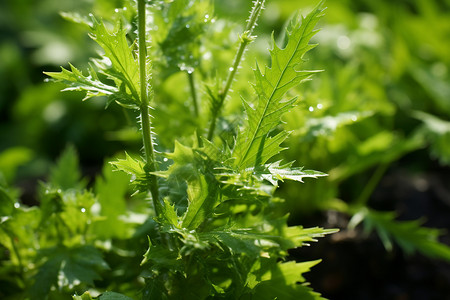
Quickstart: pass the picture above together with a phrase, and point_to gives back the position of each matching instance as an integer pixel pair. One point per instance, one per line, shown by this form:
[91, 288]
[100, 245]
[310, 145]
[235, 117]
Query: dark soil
[356, 266]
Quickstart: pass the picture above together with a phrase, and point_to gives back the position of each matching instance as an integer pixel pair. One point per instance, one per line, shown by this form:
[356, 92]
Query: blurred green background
[377, 120]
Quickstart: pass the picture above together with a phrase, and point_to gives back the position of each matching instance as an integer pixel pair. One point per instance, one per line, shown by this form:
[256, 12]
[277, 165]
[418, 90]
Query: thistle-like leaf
[124, 63]
[274, 172]
[254, 146]
[280, 282]
[409, 235]
[118, 63]
[76, 81]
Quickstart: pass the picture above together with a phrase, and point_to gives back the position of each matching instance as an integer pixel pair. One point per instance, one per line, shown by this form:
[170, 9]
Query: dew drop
[124, 8]
[311, 108]
[46, 80]
[354, 118]
[231, 69]
[319, 106]
[187, 25]
[16, 205]
[116, 10]
[206, 16]
[165, 159]
[83, 209]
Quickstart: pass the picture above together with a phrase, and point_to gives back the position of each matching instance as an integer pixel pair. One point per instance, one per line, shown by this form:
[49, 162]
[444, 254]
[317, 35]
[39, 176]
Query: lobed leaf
[254, 146]
[274, 172]
[67, 267]
[409, 235]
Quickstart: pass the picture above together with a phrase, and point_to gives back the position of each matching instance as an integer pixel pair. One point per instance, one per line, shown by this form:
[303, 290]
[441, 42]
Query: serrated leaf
[85, 296]
[203, 197]
[104, 296]
[253, 146]
[274, 172]
[169, 213]
[111, 191]
[113, 296]
[297, 236]
[124, 64]
[66, 174]
[281, 282]
[202, 188]
[67, 267]
[118, 63]
[437, 132]
[241, 241]
[76, 81]
[130, 166]
[409, 235]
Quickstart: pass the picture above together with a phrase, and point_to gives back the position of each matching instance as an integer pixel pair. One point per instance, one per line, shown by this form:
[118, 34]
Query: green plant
[205, 212]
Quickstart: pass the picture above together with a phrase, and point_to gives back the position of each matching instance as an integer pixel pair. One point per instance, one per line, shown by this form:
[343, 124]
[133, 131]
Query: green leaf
[104, 296]
[328, 125]
[113, 296]
[169, 213]
[297, 236]
[66, 174]
[274, 172]
[67, 267]
[384, 147]
[76, 81]
[85, 296]
[202, 187]
[437, 132]
[281, 282]
[115, 45]
[254, 146]
[124, 63]
[409, 235]
[118, 63]
[130, 166]
[6, 202]
[203, 197]
[111, 191]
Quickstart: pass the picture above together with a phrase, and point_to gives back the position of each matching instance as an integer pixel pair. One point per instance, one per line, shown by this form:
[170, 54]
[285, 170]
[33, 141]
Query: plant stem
[371, 185]
[191, 80]
[193, 93]
[150, 165]
[246, 38]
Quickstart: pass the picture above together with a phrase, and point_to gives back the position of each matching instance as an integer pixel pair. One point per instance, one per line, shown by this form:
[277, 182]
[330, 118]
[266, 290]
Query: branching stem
[150, 164]
[246, 38]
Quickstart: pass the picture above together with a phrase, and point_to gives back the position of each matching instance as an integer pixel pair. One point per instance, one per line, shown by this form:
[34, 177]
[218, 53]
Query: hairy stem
[150, 165]
[246, 38]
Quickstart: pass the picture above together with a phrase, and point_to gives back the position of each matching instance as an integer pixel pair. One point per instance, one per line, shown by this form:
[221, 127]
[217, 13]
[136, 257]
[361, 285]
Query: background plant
[214, 228]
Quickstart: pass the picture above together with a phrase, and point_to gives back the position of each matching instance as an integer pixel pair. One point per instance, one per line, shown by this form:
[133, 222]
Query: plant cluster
[200, 221]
